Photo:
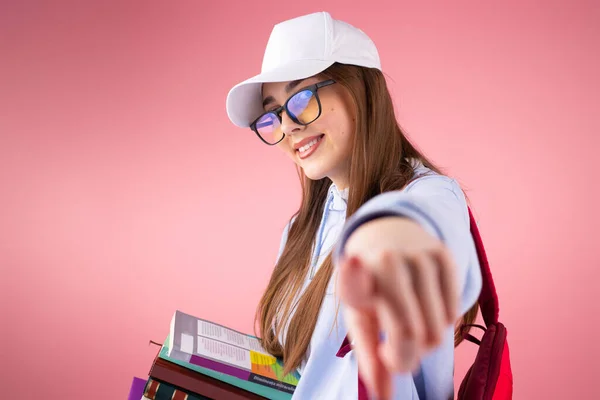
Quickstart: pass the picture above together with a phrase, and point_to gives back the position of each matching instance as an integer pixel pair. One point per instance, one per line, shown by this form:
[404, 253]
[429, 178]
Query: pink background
[126, 193]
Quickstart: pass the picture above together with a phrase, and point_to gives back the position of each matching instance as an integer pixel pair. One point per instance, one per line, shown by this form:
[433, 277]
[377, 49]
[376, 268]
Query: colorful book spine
[156, 390]
[194, 382]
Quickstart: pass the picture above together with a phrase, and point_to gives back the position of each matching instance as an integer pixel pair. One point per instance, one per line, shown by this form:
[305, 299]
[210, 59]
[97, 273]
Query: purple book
[137, 388]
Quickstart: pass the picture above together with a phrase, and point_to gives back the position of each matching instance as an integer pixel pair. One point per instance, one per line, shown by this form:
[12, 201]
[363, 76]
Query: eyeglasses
[303, 107]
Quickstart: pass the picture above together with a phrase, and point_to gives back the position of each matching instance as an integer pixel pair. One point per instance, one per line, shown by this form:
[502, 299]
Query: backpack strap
[488, 298]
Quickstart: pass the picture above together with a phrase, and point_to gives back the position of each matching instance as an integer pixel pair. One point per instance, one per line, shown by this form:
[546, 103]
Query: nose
[288, 126]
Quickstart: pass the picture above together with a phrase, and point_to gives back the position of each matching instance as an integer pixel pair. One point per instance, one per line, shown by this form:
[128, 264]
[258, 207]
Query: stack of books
[202, 360]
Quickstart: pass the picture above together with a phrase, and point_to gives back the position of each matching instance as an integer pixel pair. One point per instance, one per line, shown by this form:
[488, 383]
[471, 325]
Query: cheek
[343, 135]
[284, 146]
[349, 131]
[287, 149]
[347, 139]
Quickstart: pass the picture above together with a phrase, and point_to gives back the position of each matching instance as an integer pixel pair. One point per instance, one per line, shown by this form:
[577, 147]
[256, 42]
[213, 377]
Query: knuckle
[424, 261]
[445, 256]
[385, 256]
[414, 258]
[386, 260]
[415, 331]
[435, 337]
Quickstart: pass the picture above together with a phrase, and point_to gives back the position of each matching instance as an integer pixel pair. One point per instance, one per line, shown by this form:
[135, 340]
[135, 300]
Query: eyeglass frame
[313, 89]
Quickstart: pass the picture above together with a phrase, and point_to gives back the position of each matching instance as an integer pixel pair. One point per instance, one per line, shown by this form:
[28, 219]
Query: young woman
[380, 249]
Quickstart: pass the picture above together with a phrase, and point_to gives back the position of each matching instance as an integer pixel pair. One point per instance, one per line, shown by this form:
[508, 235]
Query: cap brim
[244, 101]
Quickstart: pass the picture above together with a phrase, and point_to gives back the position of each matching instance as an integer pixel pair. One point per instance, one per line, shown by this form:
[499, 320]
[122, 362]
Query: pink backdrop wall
[126, 193]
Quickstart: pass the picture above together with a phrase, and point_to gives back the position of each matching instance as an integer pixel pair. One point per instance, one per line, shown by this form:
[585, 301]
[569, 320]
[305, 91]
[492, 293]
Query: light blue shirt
[439, 205]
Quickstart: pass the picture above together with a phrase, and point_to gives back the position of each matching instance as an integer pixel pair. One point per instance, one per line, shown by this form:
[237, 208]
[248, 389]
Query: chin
[314, 174]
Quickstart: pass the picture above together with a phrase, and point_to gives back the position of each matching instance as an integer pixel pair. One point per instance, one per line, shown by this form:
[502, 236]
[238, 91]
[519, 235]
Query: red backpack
[490, 376]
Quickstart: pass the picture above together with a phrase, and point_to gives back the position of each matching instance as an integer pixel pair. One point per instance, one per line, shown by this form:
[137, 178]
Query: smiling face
[322, 148]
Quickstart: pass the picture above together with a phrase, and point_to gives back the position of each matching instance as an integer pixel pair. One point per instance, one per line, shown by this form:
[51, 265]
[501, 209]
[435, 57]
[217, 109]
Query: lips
[306, 141]
[308, 149]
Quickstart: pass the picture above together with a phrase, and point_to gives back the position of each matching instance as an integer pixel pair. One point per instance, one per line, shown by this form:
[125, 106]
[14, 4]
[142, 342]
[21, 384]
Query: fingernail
[353, 263]
[356, 271]
[357, 283]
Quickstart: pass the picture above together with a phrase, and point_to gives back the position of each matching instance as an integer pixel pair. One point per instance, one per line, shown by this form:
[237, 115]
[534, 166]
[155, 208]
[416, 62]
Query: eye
[306, 94]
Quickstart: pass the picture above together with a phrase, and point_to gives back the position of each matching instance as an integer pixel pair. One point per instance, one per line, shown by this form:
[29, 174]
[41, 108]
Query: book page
[218, 348]
[217, 332]
[224, 353]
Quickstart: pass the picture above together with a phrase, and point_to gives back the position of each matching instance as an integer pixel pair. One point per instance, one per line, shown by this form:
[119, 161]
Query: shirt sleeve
[438, 204]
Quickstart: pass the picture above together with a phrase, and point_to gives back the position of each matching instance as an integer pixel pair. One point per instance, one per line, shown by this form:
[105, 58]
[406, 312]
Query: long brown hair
[380, 163]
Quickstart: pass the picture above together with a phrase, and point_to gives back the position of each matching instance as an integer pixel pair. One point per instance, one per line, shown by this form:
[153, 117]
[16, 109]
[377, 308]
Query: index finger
[357, 293]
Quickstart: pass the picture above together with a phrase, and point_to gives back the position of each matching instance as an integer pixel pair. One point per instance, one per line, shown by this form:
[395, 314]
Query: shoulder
[426, 181]
[285, 232]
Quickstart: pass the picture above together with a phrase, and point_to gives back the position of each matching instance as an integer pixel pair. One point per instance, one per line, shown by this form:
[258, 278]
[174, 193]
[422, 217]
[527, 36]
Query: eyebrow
[288, 88]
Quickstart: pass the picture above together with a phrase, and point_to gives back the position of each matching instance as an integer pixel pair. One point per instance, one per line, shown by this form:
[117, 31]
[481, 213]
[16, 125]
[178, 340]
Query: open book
[227, 355]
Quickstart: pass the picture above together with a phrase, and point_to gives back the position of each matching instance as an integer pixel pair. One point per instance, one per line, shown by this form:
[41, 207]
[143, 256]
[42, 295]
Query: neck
[341, 180]
[340, 185]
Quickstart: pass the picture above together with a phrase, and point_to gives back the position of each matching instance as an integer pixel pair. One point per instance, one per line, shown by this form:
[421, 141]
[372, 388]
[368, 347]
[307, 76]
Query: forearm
[439, 208]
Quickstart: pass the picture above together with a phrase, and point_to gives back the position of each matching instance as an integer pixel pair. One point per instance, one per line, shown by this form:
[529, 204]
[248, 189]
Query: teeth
[308, 145]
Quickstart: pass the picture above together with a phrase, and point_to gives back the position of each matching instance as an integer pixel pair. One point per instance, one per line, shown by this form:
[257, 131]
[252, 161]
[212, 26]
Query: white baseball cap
[300, 48]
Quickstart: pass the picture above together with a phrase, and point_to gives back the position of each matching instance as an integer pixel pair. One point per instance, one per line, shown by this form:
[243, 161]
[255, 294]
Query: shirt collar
[340, 198]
